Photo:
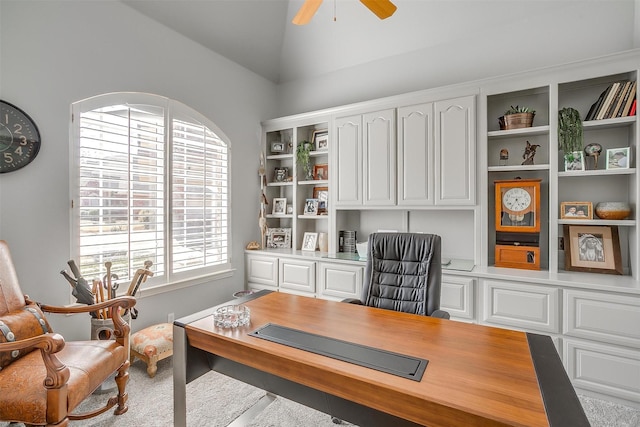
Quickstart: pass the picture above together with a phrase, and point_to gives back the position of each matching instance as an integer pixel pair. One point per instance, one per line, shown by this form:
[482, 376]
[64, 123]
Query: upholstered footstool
[151, 345]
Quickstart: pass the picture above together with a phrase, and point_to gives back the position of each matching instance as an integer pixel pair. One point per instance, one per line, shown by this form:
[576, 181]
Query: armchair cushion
[20, 324]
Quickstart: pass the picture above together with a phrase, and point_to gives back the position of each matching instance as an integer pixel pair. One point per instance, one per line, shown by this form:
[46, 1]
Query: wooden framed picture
[278, 148]
[279, 205]
[574, 161]
[311, 207]
[576, 210]
[278, 238]
[618, 158]
[321, 171]
[309, 241]
[322, 194]
[594, 249]
[321, 140]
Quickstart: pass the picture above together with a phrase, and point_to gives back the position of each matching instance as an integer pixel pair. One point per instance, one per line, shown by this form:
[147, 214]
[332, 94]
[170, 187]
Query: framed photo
[278, 148]
[309, 241]
[576, 210]
[618, 158]
[321, 171]
[279, 205]
[289, 209]
[594, 249]
[280, 174]
[321, 140]
[278, 237]
[574, 161]
[311, 207]
[322, 194]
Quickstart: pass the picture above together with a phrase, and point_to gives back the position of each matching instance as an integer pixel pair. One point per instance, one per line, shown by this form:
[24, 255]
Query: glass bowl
[232, 316]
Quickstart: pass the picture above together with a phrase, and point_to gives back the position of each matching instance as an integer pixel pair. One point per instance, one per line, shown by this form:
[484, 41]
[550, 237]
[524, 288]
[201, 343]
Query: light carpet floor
[216, 400]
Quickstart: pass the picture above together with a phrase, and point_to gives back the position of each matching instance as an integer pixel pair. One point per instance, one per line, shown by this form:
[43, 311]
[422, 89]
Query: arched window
[150, 181]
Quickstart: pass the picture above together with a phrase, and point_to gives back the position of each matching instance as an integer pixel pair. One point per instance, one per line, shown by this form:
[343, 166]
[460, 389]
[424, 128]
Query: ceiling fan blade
[381, 8]
[306, 12]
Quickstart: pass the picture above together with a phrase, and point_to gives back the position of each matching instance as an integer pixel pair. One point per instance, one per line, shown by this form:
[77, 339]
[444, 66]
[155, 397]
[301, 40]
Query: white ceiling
[258, 34]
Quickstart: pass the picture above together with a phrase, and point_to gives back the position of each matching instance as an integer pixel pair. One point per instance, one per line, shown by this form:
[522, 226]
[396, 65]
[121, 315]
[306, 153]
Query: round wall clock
[19, 138]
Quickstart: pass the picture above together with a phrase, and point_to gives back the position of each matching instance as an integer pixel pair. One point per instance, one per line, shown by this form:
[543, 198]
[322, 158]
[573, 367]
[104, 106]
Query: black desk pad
[385, 361]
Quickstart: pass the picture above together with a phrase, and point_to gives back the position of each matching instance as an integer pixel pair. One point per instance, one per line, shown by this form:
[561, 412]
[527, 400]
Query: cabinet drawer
[609, 318]
[521, 306]
[603, 368]
[457, 296]
[298, 275]
[340, 281]
[262, 270]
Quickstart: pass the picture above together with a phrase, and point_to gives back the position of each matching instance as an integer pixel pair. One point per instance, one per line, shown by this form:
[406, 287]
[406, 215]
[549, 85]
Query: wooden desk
[476, 375]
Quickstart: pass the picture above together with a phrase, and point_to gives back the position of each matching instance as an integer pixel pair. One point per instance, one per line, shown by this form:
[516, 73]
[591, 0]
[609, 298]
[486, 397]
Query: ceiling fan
[381, 8]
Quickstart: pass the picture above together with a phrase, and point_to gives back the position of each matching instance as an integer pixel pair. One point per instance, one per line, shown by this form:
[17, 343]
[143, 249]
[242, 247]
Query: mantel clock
[517, 215]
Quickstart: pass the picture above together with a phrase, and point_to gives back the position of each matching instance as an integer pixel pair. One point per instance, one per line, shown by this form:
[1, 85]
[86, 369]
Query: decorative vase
[323, 242]
[613, 210]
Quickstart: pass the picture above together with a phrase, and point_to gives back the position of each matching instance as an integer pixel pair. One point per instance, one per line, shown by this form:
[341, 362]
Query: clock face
[516, 199]
[19, 138]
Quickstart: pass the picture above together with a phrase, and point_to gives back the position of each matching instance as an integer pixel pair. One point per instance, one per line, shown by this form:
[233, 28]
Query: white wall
[53, 53]
[527, 35]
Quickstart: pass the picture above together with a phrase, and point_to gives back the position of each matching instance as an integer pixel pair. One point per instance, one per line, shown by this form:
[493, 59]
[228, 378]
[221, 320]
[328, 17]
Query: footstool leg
[152, 367]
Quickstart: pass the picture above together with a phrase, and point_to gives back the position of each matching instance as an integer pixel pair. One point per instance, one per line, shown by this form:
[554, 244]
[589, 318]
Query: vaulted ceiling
[259, 35]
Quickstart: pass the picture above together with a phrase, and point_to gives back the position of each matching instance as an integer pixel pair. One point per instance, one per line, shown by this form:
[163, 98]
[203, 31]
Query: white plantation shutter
[148, 186]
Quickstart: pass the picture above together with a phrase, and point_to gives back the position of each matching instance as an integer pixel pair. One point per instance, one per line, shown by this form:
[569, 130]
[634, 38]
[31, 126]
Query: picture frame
[278, 147]
[279, 206]
[618, 158]
[574, 161]
[321, 171]
[280, 174]
[278, 238]
[593, 249]
[309, 241]
[322, 194]
[311, 207]
[576, 210]
[320, 139]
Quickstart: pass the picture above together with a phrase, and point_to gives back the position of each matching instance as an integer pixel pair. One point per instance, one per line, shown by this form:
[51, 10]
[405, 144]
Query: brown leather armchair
[42, 377]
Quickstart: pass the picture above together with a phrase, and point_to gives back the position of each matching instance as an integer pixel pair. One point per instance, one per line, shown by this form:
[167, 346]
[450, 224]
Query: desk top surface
[476, 374]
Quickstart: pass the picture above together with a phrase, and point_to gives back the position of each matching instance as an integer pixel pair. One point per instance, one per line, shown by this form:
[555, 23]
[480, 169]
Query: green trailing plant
[570, 136]
[517, 110]
[302, 156]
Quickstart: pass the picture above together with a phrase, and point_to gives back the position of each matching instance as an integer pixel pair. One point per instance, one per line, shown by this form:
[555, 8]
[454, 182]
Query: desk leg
[179, 377]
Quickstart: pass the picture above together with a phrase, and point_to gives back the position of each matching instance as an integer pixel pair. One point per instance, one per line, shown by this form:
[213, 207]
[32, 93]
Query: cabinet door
[415, 155]
[457, 296]
[348, 161]
[379, 151]
[521, 306]
[262, 270]
[455, 145]
[297, 275]
[339, 281]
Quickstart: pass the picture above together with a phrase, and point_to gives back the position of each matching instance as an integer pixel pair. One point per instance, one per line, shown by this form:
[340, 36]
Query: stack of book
[618, 100]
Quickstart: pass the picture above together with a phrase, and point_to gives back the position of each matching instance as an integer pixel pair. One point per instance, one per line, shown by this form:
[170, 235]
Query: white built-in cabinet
[427, 161]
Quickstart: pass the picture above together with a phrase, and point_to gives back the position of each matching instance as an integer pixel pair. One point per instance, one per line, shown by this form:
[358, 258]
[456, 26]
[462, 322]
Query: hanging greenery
[302, 156]
[569, 131]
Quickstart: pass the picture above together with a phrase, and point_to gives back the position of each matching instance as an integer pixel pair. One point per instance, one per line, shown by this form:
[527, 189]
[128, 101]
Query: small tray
[232, 316]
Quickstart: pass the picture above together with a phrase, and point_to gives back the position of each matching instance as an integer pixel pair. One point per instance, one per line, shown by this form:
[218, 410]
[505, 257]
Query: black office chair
[403, 273]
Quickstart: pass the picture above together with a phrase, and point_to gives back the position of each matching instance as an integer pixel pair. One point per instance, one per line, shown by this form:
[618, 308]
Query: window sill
[149, 291]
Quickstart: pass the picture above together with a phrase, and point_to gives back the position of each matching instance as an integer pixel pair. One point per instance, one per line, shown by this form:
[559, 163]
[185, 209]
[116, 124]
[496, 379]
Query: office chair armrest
[352, 301]
[441, 314]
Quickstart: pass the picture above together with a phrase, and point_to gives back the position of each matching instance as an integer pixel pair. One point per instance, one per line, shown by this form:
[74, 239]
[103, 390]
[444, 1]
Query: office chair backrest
[403, 272]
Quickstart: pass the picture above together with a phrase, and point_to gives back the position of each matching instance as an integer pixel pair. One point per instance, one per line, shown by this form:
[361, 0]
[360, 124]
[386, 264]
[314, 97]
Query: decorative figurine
[593, 150]
[529, 153]
[504, 156]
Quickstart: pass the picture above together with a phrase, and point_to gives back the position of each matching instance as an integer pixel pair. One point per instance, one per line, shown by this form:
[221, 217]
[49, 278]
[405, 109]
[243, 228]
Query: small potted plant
[570, 138]
[304, 159]
[517, 117]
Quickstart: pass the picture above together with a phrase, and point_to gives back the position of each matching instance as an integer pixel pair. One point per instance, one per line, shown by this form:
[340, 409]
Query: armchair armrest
[57, 372]
[441, 314]
[116, 307]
